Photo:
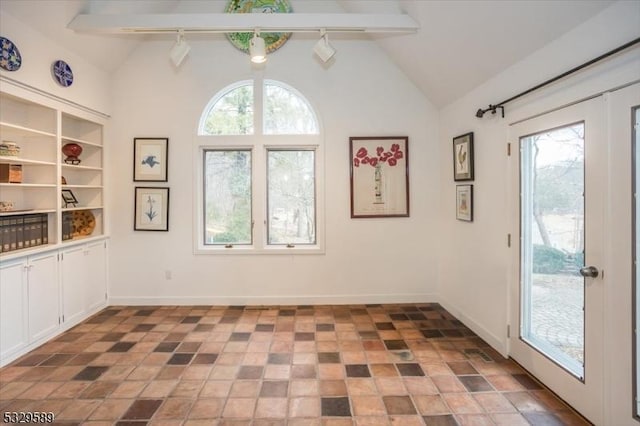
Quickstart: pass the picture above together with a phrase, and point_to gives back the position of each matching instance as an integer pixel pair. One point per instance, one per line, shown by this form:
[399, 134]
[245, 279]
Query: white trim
[494, 341]
[344, 299]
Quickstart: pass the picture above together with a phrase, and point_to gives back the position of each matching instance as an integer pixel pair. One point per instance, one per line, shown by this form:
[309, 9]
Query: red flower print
[389, 157]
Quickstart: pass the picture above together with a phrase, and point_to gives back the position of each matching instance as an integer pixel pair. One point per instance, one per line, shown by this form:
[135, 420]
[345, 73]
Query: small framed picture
[151, 209]
[68, 198]
[463, 157]
[150, 157]
[379, 176]
[464, 202]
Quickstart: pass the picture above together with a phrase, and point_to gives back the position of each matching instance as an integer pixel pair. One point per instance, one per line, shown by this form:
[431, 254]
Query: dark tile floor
[290, 365]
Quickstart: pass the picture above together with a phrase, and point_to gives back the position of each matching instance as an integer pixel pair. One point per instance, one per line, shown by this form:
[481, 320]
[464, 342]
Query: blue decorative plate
[10, 59]
[62, 73]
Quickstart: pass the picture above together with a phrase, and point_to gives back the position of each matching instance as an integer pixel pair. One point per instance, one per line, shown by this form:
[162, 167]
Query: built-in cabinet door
[44, 295]
[13, 307]
[74, 280]
[95, 270]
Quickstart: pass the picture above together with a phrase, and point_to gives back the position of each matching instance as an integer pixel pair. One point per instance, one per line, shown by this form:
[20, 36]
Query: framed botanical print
[379, 176]
[151, 209]
[464, 202]
[150, 156]
[463, 157]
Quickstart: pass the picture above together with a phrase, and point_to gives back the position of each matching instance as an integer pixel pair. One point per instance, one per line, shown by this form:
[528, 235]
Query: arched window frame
[259, 144]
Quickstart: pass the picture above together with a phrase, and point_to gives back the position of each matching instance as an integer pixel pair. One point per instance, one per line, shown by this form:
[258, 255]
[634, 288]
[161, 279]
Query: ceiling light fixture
[180, 50]
[322, 48]
[257, 48]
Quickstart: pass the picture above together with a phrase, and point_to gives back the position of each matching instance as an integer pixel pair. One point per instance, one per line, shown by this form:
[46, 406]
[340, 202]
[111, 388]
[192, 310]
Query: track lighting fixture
[257, 48]
[180, 50]
[322, 48]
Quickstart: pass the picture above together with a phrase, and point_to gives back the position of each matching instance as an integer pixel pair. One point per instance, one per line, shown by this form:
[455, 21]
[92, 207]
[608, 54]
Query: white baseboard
[494, 341]
[343, 299]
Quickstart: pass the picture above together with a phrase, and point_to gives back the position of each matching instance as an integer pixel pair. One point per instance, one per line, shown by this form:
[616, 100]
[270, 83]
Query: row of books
[23, 231]
[67, 226]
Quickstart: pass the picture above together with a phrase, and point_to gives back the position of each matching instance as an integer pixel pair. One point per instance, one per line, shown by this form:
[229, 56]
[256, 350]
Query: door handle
[589, 272]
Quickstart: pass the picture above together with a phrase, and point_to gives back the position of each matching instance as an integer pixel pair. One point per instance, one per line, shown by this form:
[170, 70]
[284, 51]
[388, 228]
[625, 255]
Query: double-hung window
[258, 172]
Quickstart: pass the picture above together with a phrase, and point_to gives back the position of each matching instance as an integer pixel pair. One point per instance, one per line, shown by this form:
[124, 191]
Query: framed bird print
[463, 157]
[150, 158]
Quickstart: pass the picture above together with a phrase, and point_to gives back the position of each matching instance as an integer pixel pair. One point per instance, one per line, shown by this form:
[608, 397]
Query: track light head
[323, 49]
[257, 49]
[479, 113]
[180, 50]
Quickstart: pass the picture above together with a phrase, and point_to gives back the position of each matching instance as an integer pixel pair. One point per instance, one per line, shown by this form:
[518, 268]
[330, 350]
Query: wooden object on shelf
[10, 173]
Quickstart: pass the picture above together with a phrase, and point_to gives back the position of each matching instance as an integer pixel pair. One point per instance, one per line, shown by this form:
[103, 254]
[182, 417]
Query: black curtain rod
[500, 105]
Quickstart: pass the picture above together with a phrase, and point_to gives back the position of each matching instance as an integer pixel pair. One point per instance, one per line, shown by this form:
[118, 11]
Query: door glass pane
[291, 198]
[227, 197]
[552, 238]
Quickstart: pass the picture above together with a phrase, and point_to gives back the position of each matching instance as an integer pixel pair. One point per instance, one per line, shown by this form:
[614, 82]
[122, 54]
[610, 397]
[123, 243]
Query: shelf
[71, 166]
[26, 251]
[25, 130]
[29, 185]
[69, 139]
[18, 160]
[70, 209]
[19, 212]
[83, 186]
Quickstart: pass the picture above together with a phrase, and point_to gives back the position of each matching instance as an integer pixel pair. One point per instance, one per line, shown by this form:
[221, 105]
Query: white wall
[366, 260]
[91, 85]
[473, 267]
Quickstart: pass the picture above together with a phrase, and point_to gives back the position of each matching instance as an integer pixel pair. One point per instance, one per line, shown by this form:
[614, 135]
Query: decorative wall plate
[10, 60]
[84, 222]
[272, 41]
[62, 73]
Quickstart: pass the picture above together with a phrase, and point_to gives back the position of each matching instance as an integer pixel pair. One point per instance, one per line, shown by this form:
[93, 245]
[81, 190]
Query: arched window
[284, 111]
[259, 171]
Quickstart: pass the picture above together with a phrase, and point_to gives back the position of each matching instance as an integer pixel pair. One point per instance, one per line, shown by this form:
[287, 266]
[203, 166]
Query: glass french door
[557, 188]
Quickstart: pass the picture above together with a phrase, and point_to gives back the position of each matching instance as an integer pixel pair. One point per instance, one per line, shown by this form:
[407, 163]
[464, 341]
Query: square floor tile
[335, 407]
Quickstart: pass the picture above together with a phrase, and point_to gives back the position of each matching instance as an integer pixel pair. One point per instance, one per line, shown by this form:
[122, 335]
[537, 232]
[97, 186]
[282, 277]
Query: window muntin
[227, 197]
[231, 112]
[286, 112]
[291, 197]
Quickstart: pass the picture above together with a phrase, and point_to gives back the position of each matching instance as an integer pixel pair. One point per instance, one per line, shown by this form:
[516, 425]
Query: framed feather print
[463, 157]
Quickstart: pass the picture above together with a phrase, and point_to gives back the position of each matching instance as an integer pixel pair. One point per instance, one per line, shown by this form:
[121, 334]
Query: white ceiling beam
[242, 22]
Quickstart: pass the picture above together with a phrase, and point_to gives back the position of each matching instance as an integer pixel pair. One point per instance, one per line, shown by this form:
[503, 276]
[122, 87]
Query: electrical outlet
[167, 274]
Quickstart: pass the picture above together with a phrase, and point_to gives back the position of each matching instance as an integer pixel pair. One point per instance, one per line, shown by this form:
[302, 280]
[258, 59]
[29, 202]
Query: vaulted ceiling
[460, 44]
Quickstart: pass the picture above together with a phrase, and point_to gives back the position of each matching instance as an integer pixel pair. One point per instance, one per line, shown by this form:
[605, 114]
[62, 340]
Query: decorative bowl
[72, 151]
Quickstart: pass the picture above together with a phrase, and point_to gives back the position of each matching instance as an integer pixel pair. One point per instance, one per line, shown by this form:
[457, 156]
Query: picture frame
[464, 203]
[463, 157]
[151, 212]
[150, 159]
[379, 176]
[69, 198]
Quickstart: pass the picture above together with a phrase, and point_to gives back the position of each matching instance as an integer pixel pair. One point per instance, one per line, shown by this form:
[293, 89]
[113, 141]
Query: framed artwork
[150, 156]
[379, 176]
[151, 209]
[463, 157]
[464, 202]
[69, 198]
